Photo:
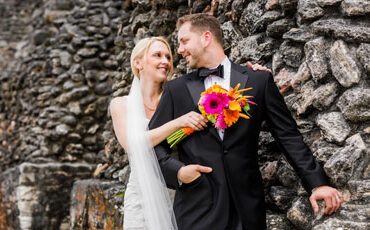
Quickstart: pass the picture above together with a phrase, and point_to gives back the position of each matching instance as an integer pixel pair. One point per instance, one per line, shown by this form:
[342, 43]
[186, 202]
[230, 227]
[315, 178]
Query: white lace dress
[133, 218]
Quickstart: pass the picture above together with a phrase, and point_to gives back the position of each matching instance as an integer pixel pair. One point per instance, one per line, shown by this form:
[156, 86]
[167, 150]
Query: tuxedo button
[225, 151]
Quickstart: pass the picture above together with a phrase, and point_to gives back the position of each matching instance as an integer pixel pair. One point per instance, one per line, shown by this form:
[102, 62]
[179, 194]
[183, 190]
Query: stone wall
[58, 76]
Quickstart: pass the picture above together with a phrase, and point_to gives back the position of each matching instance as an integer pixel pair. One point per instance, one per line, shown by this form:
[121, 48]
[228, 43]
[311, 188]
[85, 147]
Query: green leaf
[246, 108]
[211, 119]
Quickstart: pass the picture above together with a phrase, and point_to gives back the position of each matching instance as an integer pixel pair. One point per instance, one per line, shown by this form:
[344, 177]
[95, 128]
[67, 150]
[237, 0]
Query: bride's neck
[150, 91]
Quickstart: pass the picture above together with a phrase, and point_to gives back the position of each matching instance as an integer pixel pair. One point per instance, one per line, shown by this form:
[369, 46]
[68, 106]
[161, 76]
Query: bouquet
[221, 107]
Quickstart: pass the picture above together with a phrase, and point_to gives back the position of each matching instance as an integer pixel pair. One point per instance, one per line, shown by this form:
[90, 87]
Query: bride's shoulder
[118, 103]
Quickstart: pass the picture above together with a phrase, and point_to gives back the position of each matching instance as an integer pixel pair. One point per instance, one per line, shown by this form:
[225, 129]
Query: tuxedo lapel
[237, 75]
[195, 87]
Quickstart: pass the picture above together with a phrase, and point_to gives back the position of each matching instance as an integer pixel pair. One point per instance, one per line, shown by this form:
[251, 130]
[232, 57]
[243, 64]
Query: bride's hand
[192, 120]
[257, 67]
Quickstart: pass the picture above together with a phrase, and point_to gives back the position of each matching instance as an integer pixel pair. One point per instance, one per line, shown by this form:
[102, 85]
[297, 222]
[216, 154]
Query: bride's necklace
[149, 108]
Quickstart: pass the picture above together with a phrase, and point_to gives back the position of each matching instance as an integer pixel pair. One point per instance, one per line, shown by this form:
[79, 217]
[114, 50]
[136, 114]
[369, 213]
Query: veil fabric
[156, 203]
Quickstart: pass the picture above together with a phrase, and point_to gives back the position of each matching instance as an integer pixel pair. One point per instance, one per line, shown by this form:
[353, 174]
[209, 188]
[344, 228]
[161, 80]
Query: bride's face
[156, 62]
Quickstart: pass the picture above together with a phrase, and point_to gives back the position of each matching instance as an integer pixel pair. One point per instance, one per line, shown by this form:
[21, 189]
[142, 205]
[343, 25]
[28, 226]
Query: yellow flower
[234, 105]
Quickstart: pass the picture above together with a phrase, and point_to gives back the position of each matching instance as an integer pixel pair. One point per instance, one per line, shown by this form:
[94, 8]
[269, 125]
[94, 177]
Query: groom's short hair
[201, 23]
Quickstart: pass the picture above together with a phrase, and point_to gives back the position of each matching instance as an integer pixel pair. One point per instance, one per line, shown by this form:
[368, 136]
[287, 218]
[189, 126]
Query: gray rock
[87, 52]
[256, 47]
[301, 34]
[231, 35]
[324, 3]
[342, 165]
[344, 65]
[77, 41]
[92, 63]
[61, 4]
[62, 130]
[305, 98]
[303, 74]
[277, 62]
[237, 7]
[363, 53]
[334, 127]
[104, 88]
[334, 223]
[261, 22]
[346, 29]
[309, 10]
[65, 59]
[29, 183]
[292, 54]
[287, 5]
[315, 51]
[198, 5]
[325, 95]
[286, 174]
[40, 36]
[141, 20]
[355, 104]
[68, 85]
[69, 120]
[278, 222]
[355, 7]
[251, 18]
[360, 191]
[283, 80]
[282, 197]
[77, 93]
[278, 28]
[323, 150]
[300, 214]
[74, 149]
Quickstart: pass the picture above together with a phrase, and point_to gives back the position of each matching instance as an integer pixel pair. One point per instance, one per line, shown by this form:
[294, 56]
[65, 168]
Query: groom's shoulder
[258, 75]
[181, 80]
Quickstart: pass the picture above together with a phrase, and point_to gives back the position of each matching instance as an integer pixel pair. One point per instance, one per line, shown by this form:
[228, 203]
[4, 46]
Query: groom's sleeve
[169, 165]
[284, 129]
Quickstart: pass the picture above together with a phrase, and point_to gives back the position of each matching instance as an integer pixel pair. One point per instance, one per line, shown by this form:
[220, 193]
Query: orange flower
[235, 93]
[231, 116]
[187, 131]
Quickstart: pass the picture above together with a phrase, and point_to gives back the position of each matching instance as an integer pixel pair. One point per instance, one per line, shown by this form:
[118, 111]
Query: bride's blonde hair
[141, 48]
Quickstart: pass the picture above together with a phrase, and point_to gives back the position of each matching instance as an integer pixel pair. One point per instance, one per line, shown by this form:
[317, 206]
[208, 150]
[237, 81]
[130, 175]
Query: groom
[217, 177]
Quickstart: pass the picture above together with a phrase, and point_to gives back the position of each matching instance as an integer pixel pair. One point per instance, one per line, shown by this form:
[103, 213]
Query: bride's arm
[192, 119]
[117, 109]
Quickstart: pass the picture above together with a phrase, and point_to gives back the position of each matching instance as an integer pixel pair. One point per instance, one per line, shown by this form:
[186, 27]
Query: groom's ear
[207, 39]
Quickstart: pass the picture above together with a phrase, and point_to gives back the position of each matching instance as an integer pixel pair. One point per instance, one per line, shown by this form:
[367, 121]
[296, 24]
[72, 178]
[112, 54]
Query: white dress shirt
[224, 82]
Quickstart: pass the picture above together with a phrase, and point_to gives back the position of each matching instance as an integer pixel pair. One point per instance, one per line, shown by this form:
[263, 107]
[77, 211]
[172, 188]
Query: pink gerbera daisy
[214, 103]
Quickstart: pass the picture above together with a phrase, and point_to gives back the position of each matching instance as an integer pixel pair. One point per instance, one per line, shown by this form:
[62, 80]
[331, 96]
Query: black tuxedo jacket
[235, 180]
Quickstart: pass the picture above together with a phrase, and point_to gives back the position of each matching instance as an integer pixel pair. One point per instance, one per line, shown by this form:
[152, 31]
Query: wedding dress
[133, 218]
[147, 205]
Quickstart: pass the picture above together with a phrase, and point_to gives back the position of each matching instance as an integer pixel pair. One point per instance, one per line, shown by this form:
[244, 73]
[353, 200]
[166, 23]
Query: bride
[147, 205]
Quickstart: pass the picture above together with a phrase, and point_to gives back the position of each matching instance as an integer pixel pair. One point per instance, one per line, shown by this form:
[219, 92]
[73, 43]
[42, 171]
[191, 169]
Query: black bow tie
[204, 72]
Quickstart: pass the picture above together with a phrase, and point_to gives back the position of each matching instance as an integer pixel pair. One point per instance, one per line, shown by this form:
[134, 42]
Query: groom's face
[190, 46]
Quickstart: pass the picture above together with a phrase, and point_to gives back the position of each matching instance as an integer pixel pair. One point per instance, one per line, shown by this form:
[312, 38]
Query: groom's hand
[189, 173]
[332, 197]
